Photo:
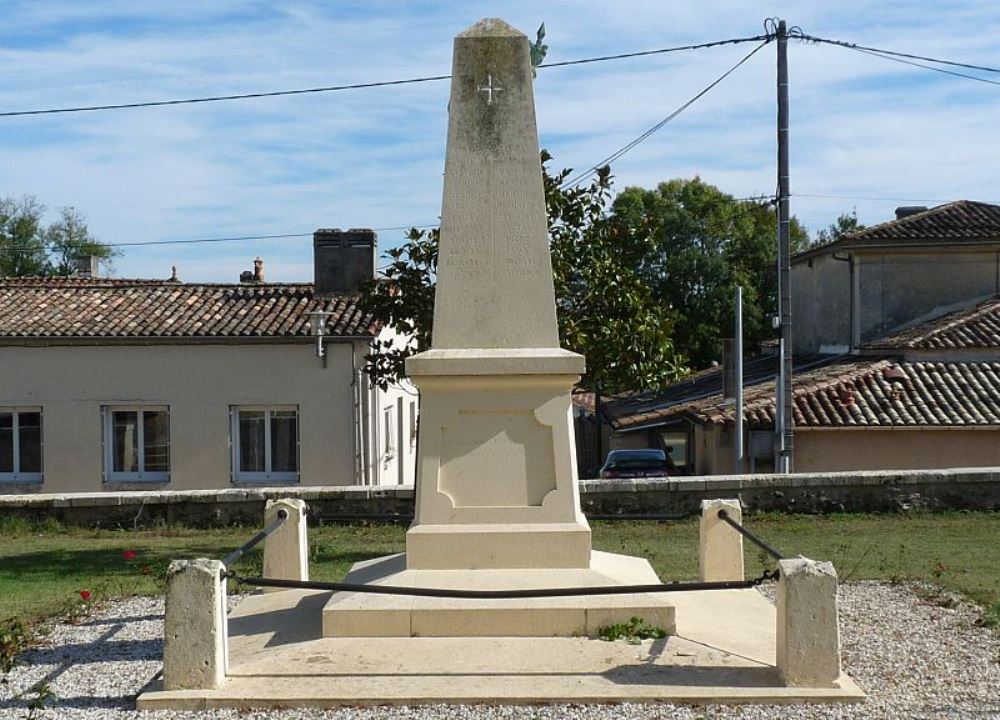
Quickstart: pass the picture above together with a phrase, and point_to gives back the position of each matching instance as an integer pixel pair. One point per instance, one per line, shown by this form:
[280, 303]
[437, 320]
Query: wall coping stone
[805, 485]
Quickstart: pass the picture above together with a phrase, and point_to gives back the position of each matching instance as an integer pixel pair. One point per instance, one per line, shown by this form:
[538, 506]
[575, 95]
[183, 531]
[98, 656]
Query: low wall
[875, 491]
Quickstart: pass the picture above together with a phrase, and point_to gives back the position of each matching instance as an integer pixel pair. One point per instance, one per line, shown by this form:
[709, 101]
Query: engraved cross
[489, 88]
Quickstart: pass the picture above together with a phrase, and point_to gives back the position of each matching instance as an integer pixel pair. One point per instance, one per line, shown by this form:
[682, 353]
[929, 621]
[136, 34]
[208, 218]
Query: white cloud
[861, 125]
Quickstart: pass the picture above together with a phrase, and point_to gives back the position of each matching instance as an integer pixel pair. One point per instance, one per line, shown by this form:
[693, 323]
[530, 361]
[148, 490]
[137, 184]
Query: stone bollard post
[720, 547]
[195, 635]
[286, 550]
[808, 649]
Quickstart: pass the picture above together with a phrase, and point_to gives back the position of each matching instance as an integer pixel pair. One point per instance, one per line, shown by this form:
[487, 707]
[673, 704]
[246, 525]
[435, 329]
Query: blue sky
[862, 127]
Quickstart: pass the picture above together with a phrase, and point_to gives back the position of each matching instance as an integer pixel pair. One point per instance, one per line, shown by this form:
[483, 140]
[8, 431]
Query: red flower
[129, 554]
[85, 595]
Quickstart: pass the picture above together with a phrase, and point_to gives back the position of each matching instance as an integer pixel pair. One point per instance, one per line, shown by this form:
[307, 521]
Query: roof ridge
[906, 220]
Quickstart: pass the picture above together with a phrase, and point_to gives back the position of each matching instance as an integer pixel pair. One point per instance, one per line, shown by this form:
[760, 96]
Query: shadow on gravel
[124, 702]
[94, 652]
[119, 620]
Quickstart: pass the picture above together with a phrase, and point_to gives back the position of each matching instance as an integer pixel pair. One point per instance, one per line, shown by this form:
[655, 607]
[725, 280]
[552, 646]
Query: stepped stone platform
[723, 652]
[368, 615]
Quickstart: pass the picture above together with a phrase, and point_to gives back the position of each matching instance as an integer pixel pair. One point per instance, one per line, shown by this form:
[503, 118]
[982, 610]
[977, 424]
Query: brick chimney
[343, 259]
[87, 266]
[907, 210]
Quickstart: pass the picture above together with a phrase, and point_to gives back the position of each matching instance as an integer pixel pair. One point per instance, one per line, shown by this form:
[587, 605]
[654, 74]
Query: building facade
[115, 384]
[896, 334]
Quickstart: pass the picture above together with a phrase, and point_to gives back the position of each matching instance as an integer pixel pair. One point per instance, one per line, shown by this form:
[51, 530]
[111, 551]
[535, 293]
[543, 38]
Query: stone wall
[957, 489]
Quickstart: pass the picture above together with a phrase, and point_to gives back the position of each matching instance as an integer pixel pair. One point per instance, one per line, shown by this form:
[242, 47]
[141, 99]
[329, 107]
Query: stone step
[369, 615]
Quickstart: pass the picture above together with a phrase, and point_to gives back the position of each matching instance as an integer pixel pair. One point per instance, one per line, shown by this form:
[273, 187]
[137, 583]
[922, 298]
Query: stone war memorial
[499, 596]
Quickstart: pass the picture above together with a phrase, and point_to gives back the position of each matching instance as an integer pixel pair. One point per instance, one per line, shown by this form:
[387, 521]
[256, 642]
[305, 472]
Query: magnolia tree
[606, 310]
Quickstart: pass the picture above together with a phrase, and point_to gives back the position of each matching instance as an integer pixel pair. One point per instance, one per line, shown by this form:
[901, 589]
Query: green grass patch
[44, 567]
[634, 631]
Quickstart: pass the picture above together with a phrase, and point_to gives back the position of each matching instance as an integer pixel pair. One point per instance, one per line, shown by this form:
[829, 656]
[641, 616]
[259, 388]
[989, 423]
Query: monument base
[480, 546]
[368, 615]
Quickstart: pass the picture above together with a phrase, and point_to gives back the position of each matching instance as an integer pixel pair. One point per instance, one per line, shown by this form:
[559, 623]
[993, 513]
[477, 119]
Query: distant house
[111, 384]
[897, 359]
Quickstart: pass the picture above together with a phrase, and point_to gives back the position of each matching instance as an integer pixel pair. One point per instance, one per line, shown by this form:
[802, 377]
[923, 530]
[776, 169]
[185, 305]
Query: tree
[22, 245]
[606, 312]
[27, 247]
[844, 225]
[701, 243]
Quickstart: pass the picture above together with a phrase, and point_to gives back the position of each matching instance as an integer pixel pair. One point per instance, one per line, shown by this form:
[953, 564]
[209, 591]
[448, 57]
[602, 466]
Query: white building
[124, 384]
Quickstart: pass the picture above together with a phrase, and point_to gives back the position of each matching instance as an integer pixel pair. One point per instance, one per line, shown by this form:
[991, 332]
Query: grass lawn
[43, 568]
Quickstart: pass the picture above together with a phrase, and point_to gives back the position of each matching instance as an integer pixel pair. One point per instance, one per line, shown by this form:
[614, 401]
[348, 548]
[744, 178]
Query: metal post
[599, 440]
[783, 419]
[738, 373]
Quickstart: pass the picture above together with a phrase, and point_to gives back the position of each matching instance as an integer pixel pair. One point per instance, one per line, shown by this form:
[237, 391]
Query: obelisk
[497, 503]
[496, 484]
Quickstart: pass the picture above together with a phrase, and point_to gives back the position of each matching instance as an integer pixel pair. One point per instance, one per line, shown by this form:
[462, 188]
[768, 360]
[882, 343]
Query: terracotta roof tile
[962, 221]
[976, 327]
[119, 308]
[857, 394]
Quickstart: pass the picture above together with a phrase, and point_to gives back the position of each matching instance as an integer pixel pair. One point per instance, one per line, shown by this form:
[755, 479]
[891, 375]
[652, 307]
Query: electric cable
[902, 58]
[883, 51]
[146, 243]
[576, 180]
[356, 86]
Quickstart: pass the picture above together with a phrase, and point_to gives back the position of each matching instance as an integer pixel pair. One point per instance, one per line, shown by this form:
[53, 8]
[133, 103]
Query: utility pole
[738, 382]
[783, 425]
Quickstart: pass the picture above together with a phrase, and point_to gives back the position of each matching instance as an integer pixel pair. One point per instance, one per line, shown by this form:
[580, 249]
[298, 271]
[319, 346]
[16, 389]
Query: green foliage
[701, 242]
[15, 636]
[43, 695]
[30, 248]
[845, 224]
[606, 310]
[991, 618]
[404, 301]
[634, 631]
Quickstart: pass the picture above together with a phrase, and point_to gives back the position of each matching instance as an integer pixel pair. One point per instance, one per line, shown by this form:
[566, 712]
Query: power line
[358, 86]
[876, 199]
[194, 241]
[624, 149]
[902, 58]
[883, 51]
[622, 56]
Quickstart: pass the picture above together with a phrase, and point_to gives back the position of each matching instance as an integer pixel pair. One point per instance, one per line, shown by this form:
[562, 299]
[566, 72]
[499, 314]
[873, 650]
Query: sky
[872, 133]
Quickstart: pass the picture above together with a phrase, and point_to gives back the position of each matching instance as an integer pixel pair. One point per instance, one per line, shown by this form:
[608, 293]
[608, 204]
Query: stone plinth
[286, 550]
[808, 637]
[195, 652]
[720, 546]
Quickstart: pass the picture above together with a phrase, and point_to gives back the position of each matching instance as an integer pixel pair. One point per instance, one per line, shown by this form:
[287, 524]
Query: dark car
[636, 463]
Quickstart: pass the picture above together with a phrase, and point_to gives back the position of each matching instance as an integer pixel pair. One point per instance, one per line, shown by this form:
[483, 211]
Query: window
[20, 445]
[389, 433]
[413, 424]
[675, 444]
[265, 444]
[136, 444]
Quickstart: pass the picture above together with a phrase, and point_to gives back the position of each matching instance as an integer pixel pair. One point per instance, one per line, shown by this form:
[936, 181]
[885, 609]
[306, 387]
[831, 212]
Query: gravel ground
[915, 657]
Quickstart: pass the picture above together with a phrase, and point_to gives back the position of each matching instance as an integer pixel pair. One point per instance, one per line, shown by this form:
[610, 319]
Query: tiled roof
[962, 221]
[117, 308]
[859, 394]
[976, 327]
